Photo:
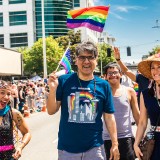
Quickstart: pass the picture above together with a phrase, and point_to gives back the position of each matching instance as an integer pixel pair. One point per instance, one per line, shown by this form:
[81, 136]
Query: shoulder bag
[147, 144]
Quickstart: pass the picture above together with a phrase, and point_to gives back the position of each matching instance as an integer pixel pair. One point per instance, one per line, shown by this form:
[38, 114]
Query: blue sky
[130, 22]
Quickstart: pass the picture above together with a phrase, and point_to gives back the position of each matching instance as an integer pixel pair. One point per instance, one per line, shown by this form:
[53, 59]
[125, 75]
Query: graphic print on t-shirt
[82, 107]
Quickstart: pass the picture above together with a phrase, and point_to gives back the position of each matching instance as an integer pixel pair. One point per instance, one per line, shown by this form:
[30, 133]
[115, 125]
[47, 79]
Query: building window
[1, 19]
[55, 15]
[0, 2]
[17, 18]
[16, 1]
[19, 39]
[1, 40]
[76, 3]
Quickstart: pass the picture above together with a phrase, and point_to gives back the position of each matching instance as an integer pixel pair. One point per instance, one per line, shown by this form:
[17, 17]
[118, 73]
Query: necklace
[94, 84]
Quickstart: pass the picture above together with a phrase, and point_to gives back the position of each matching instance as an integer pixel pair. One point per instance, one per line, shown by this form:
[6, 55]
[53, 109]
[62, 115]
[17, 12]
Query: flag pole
[44, 42]
[62, 57]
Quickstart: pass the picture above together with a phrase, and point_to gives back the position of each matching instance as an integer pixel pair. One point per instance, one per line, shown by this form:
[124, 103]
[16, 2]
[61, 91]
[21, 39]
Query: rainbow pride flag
[136, 88]
[66, 61]
[93, 18]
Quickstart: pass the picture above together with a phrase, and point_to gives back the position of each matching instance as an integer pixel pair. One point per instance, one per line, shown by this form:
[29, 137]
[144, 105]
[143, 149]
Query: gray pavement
[44, 130]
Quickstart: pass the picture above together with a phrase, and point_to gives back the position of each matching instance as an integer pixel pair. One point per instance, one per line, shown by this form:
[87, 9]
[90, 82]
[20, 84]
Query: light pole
[101, 40]
[44, 42]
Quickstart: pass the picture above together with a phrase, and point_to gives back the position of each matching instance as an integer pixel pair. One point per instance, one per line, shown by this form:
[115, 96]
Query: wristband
[118, 59]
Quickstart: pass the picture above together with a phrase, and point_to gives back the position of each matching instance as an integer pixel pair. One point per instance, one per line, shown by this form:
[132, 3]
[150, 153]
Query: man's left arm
[134, 105]
[110, 122]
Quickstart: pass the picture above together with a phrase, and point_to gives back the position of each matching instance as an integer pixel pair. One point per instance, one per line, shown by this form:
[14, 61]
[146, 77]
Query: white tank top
[122, 116]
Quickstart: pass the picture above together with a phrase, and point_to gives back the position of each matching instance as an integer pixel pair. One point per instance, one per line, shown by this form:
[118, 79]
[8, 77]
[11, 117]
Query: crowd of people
[81, 114]
[95, 122]
[30, 93]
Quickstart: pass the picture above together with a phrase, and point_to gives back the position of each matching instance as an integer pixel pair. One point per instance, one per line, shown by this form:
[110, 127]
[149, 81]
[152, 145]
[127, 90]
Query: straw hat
[144, 67]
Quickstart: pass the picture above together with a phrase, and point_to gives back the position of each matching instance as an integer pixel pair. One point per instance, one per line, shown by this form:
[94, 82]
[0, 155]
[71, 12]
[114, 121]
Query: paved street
[44, 129]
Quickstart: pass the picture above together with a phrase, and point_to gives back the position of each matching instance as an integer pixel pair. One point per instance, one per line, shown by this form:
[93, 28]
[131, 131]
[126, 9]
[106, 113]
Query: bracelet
[118, 59]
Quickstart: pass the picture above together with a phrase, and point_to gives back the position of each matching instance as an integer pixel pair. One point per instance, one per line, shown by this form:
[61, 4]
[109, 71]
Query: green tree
[74, 39]
[154, 50]
[33, 58]
[102, 49]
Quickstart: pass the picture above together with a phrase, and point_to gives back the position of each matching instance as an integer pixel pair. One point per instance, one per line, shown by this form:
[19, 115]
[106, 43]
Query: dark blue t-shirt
[143, 83]
[82, 105]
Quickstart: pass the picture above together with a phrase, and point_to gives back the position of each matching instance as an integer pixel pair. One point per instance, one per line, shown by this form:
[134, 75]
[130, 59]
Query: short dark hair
[111, 65]
[88, 46]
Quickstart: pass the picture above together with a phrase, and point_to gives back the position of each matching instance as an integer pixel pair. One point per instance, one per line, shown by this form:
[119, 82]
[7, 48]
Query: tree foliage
[154, 50]
[74, 38]
[102, 48]
[33, 58]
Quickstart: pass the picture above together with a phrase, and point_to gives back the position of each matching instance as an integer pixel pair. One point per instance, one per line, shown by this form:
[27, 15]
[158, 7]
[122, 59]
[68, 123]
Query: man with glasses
[83, 98]
[125, 102]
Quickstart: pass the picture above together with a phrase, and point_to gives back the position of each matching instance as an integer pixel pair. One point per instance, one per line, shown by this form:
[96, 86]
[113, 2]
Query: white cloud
[117, 16]
[128, 8]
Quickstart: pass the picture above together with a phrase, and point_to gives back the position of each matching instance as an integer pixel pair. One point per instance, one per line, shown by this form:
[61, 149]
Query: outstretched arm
[124, 68]
[134, 104]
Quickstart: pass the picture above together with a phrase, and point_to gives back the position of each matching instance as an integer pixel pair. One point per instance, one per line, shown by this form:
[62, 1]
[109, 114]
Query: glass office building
[55, 15]
[76, 3]
[1, 19]
[21, 20]
[16, 1]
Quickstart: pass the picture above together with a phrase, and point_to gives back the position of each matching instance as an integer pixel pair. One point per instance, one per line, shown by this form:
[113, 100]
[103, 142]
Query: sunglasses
[112, 73]
[89, 58]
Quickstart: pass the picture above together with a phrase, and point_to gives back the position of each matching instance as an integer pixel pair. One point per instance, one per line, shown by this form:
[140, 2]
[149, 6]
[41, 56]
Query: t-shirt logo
[82, 107]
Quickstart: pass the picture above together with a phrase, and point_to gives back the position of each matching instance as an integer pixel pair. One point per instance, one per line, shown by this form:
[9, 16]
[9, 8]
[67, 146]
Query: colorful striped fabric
[136, 88]
[93, 18]
[66, 61]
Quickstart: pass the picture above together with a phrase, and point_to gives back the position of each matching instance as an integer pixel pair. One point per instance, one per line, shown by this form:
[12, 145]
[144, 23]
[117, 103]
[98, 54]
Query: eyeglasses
[113, 73]
[89, 58]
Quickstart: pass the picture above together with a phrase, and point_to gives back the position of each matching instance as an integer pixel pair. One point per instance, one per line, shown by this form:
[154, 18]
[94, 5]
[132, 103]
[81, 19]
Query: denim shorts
[96, 153]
